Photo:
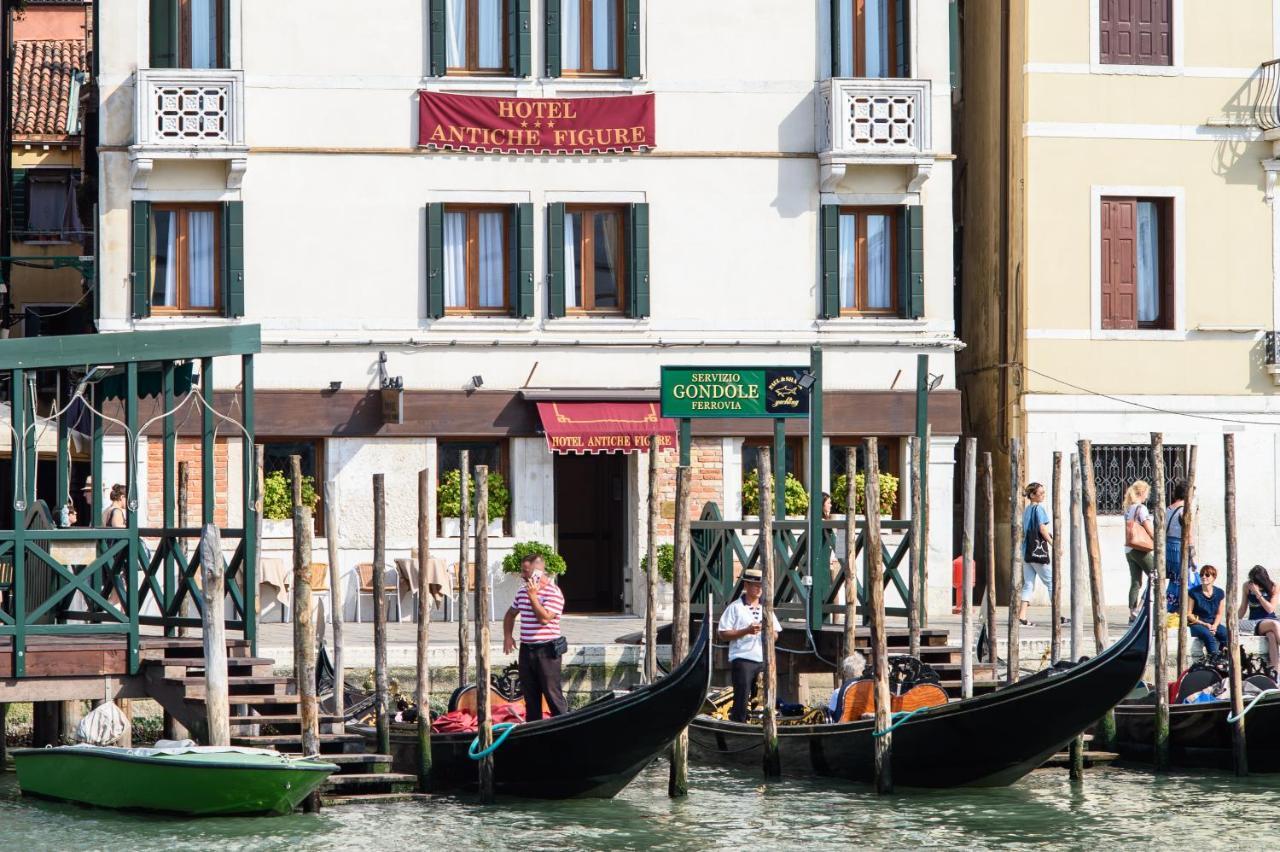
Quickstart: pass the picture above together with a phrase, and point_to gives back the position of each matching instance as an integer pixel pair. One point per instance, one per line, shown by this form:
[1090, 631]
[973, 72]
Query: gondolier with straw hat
[740, 626]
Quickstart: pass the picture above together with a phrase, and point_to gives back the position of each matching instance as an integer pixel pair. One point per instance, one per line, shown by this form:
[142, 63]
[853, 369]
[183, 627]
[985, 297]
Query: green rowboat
[192, 780]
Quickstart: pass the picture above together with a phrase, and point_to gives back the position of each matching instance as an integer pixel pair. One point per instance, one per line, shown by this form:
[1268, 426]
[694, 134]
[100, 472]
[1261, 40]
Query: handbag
[1034, 546]
[1136, 536]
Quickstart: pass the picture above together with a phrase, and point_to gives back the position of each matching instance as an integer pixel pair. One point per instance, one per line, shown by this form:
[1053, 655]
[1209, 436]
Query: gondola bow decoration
[535, 125]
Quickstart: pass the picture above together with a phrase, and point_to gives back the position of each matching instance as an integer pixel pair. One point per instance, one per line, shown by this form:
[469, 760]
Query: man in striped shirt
[538, 603]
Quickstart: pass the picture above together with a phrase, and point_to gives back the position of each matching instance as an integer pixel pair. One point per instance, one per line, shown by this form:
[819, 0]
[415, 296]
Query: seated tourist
[851, 670]
[1204, 612]
[1258, 604]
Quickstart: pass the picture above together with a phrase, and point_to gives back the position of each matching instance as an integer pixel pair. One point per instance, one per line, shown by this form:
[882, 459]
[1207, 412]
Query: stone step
[363, 783]
[358, 763]
[372, 799]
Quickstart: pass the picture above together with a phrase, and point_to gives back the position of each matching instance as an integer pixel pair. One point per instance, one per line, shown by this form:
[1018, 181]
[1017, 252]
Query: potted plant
[796, 498]
[277, 503]
[554, 561]
[666, 562]
[840, 493]
[449, 503]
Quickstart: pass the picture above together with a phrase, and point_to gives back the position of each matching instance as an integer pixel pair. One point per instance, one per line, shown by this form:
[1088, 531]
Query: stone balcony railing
[874, 121]
[188, 113]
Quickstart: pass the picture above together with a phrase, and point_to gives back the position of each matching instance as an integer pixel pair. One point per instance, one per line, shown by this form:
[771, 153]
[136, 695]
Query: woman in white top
[1140, 561]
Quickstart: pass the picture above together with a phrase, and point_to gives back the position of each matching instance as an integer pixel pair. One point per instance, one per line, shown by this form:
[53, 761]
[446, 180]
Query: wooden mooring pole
[768, 636]
[217, 697]
[879, 640]
[464, 561]
[989, 535]
[382, 722]
[1159, 587]
[304, 640]
[424, 632]
[918, 548]
[1015, 557]
[651, 576]
[335, 595]
[851, 561]
[484, 716]
[1239, 756]
[1077, 600]
[1105, 732]
[1055, 572]
[1184, 567]
[678, 782]
[967, 569]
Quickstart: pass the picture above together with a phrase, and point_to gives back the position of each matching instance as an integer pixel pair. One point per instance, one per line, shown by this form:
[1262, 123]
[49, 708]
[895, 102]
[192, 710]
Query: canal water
[726, 810]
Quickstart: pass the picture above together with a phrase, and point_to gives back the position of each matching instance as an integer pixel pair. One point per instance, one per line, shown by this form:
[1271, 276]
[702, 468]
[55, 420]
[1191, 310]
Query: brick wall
[188, 450]
[707, 460]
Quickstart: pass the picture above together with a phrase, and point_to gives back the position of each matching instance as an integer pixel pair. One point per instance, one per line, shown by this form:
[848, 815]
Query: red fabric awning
[604, 427]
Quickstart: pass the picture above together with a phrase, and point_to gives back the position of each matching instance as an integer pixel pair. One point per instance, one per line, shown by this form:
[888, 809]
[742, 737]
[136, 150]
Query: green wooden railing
[720, 554]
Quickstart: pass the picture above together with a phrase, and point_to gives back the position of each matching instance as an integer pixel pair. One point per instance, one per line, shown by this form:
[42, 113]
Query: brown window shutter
[1119, 263]
[1153, 31]
[1116, 31]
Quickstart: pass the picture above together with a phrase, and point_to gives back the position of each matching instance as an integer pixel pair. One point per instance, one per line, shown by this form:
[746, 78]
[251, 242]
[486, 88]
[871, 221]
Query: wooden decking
[94, 656]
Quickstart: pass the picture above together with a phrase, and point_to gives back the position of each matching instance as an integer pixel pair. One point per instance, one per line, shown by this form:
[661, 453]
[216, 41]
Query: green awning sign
[734, 392]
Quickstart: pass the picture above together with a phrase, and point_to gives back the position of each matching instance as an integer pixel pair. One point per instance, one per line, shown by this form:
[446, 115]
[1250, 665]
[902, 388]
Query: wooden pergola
[117, 571]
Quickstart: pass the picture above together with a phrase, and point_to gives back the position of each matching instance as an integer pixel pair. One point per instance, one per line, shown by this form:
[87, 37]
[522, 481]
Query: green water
[726, 810]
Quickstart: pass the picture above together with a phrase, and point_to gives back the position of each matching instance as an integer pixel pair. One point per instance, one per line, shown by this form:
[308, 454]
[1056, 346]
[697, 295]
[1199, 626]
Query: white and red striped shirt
[532, 630]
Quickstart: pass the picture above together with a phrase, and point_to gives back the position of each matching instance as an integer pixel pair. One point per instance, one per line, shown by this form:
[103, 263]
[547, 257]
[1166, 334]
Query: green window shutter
[435, 261]
[551, 38]
[164, 33]
[519, 38]
[631, 39]
[224, 48]
[140, 289]
[555, 259]
[522, 265]
[18, 201]
[915, 261]
[901, 39]
[439, 58]
[829, 249]
[954, 42]
[638, 300]
[233, 258]
[835, 36]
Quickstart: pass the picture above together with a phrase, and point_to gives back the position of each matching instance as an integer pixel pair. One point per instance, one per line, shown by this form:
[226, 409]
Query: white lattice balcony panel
[882, 120]
[189, 113]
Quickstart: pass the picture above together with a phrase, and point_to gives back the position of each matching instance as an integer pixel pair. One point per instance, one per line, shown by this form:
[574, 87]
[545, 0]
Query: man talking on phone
[538, 603]
[741, 624]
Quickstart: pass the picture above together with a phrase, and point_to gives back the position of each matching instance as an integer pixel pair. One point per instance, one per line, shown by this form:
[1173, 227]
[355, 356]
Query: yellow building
[1119, 248]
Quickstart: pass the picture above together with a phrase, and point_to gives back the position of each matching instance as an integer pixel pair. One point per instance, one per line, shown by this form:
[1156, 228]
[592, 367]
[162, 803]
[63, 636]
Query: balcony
[874, 121]
[189, 114]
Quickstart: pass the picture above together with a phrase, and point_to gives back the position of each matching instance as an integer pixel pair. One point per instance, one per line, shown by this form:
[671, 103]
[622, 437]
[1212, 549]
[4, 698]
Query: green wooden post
[819, 559]
[922, 434]
[779, 469]
[62, 478]
[30, 456]
[249, 488]
[170, 497]
[206, 441]
[17, 420]
[131, 507]
[95, 464]
[686, 441]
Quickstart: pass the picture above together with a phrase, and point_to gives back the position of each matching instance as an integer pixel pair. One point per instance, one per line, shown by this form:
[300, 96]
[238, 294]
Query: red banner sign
[604, 427]
[535, 125]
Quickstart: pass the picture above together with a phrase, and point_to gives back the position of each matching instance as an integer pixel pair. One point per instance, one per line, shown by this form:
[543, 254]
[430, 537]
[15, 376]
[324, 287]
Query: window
[1135, 32]
[868, 38]
[43, 205]
[796, 461]
[590, 37]
[190, 34]
[888, 450]
[275, 457]
[868, 256]
[475, 259]
[1136, 263]
[475, 36]
[185, 247]
[490, 453]
[594, 252]
[1117, 466]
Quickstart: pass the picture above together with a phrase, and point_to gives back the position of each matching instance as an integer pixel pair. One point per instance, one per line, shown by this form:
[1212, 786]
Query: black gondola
[1200, 735]
[590, 753]
[988, 741]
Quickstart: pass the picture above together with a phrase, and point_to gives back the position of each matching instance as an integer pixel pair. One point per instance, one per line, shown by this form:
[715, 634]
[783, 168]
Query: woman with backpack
[1037, 536]
[1139, 538]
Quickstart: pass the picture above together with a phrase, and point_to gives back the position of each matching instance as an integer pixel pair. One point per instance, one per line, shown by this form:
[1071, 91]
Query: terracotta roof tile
[42, 73]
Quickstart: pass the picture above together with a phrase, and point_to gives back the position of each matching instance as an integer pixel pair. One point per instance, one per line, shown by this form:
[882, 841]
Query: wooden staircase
[265, 715]
[939, 656]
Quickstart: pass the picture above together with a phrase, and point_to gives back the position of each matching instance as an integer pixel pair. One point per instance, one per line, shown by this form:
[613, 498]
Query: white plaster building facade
[307, 134]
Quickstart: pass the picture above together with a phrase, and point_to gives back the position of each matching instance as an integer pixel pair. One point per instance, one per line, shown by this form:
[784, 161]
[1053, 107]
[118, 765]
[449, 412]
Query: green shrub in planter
[888, 493]
[277, 496]
[666, 562]
[797, 499]
[554, 561]
[449, 495]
